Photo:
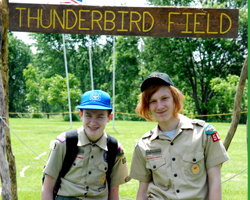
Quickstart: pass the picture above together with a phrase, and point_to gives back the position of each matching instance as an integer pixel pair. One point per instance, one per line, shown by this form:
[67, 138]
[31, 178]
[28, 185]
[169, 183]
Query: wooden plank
[134, 21]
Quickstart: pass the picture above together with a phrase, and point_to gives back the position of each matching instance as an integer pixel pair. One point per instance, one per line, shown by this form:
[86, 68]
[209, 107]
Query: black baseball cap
[156, 78]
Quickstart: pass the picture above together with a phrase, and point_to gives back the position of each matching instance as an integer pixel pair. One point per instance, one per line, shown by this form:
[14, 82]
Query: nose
[93, 121]
[159, 105]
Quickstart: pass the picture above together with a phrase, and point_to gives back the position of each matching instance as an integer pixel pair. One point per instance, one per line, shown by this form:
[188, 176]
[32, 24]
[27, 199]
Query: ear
[110, 116]
[80, 113]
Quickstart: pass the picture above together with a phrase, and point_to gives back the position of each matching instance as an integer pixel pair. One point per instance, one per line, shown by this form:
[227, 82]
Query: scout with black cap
[90, 176]
[156, 78]
[180, 158]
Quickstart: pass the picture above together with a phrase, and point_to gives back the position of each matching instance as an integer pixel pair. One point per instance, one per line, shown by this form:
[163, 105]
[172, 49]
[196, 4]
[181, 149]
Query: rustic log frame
[237, 105]
[4, 10]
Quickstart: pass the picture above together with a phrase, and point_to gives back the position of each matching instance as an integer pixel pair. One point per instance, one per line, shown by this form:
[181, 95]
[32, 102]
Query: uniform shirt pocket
[194, 166]
[159, 172]
[101, 174]
[75, 172]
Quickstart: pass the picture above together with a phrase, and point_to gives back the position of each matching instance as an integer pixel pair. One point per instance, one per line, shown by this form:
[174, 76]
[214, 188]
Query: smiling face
[161, 105]
[94, 123]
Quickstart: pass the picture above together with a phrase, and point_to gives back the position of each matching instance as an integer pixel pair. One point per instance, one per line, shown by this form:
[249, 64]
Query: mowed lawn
[38, 133]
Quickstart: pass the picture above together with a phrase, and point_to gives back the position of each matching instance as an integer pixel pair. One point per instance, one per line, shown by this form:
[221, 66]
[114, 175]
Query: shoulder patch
[120, 151]
[54, 145]
[209, 130]
[61, 138]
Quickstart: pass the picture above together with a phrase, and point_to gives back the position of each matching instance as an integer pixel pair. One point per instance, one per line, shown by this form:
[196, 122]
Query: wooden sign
[134, 21]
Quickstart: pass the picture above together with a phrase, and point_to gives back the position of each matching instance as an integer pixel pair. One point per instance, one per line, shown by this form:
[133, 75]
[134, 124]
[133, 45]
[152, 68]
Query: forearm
[47, 188]
[142, 191]
[114, 193]
[214, 181]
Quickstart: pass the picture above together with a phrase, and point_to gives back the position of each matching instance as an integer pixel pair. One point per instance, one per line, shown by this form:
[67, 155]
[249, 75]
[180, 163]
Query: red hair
[142, 108]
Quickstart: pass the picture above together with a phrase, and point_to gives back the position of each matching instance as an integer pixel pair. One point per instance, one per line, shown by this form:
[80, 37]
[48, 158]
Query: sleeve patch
[120, 151]
[215, 137]
[54, 145]
[61, 138]
[127, 179]
[209, 130]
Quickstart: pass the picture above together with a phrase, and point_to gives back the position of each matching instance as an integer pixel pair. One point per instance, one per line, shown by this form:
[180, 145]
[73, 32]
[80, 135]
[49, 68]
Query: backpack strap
[111, 155]
[71, 152]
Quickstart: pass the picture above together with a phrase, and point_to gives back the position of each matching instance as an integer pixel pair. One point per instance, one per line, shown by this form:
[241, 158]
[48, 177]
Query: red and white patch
[215, 137]
[61, 138]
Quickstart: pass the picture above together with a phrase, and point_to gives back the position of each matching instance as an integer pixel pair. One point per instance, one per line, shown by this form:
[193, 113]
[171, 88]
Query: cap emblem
[157, 75]
[95, 96]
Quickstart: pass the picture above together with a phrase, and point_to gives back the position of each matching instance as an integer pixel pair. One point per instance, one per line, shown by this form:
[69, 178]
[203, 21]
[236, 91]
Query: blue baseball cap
[96, 100]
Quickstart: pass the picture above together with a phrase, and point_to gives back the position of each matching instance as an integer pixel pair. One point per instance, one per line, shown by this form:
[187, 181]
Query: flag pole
[66, 69]
[114, 80]
[90, 63]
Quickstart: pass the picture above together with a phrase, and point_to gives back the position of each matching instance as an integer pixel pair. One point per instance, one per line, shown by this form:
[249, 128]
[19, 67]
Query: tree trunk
[237, 106]
[4, 168]
[4, 71]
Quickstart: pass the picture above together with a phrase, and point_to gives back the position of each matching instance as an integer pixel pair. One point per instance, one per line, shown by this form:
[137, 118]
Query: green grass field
[38, 133]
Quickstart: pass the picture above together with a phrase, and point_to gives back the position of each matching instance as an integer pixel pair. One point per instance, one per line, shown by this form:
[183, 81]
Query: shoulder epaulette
[148, 134]
[198, 121]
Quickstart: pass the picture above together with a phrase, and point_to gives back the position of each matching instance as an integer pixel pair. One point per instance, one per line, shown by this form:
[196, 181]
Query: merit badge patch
[209, 130]
[61, 138]
[105, 156]
[103, 179]
[54, 145]
[120, 151]
[195, 169]
[215, 137]
[101, 189]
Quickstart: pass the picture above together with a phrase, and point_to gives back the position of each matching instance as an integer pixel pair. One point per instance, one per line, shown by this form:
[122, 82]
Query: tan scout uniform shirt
[86, 178]
[177, 169]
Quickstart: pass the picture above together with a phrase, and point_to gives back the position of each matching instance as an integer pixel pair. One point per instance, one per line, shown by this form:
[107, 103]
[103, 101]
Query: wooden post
[5, 71]
[4, 168]
[237, 105]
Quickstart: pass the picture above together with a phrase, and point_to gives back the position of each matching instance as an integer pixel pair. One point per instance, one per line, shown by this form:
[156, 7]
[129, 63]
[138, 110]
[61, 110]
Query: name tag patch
[152, 154]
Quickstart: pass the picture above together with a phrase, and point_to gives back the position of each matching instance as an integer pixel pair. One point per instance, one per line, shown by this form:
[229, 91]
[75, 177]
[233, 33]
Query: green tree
[19, 56]
[58, 94]
[223, 98]
[127, 75]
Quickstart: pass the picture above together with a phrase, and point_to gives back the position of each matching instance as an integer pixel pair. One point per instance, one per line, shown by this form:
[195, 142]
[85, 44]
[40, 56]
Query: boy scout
[180, 158]
[86, 179]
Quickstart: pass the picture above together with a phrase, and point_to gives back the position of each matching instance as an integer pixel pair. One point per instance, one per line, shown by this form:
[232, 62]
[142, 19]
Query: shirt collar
[185, 123]
[83, 140]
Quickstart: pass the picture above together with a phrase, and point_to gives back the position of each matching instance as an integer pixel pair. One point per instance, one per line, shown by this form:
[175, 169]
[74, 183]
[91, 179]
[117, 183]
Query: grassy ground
[37, 133]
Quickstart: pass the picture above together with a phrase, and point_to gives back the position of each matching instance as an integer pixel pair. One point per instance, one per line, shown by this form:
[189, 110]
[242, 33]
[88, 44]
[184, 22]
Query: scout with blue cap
[99, 164]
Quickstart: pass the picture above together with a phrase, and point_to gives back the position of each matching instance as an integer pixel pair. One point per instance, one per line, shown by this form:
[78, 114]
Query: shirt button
[74, 164]
[92, 156]
[194, 159]
[154, 166]
[87, 188]
[172, 143]
[89, 172]
[175, 175]
[173, 159]
[177, 191]
[105, 168]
